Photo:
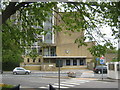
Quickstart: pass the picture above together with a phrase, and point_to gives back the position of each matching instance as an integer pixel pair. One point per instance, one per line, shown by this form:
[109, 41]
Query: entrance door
[82, 61]
[74, 62]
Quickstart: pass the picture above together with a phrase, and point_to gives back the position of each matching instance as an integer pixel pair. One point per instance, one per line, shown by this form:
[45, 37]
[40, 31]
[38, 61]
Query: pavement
[85, 75]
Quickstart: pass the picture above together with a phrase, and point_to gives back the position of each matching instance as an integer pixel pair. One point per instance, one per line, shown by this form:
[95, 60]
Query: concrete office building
[61, 46]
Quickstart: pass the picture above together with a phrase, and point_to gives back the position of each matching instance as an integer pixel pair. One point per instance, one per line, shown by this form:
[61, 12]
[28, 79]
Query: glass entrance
[74, 62]
[82, 61]
[67, 62]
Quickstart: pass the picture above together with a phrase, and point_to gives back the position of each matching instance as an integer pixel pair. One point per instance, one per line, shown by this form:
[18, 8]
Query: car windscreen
[100, 67]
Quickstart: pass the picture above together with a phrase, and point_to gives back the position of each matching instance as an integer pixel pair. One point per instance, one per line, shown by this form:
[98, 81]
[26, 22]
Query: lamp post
[59, 75]
[59, 64]
[102, 61]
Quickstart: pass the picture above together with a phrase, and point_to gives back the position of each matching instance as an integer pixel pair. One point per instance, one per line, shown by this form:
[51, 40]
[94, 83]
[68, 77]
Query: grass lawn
[5, 86]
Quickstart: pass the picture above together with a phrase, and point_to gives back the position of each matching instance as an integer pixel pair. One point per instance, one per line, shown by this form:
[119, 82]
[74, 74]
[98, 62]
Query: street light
[59, 63]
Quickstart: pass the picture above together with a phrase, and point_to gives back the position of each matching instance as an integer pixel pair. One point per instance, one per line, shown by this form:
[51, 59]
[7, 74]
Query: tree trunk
[11, 9]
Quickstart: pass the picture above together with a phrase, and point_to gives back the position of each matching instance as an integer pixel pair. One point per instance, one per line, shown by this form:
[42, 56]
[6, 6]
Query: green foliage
[89, 16]
[6, 86]
[119, 55]
[9, 65]
[11, 50]
[81, 41]
[112, 51]
[115, 60]
[98, 50]
[33, 53]
[22, 31]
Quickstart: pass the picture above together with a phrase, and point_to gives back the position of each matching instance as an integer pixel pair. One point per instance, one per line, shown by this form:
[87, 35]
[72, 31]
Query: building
[111, 56]
[60, 46]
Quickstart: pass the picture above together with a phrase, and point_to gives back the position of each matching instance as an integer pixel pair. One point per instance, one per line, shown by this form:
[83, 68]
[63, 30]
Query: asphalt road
[33, 80]
[41, 80]
[49, 73]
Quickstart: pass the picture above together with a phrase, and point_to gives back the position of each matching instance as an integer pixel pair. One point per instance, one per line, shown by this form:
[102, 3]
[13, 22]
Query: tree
[11, 51]
[79, 16]
[118, 54]
[21, 31]
[11, 9]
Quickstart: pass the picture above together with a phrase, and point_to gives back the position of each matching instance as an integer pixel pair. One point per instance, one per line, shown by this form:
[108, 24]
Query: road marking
[66, 83]
[70, 85]
[80, 81]
[56, 86]
[106, 82]
[42, 87]
[77, 81]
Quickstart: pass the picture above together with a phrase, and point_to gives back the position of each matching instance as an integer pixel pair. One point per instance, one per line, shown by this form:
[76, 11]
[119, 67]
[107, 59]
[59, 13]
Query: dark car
[98, 69]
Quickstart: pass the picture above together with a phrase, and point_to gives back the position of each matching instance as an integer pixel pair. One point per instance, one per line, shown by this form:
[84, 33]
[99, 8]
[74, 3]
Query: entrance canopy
[64, 56]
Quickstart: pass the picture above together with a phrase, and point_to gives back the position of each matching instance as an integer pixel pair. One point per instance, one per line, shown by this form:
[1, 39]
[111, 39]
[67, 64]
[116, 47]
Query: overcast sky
[105, 30]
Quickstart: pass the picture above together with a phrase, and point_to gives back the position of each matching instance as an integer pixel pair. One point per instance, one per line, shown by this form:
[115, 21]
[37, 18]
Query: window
[28, 60]
[39, 60]
[53, 51]
[74, 62]
[48, 28]
[34, 60]
[118, 67]
[40, 51]
[81, 62]
[46, 53]
[67, 62]
[20, 69]
[111, 67]
[40, 39]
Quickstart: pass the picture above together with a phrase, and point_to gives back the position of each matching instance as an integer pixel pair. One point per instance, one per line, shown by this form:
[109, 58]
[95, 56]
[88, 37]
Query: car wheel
[27, 73]
[99, 72]
[15, 73]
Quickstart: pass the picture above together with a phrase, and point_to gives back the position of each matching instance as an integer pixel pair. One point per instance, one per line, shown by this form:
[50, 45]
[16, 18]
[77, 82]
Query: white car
[20, 70]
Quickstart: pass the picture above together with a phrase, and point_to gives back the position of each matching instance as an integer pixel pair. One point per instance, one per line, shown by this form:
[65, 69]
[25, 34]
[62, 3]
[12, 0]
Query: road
[41, 80]
[34, 80]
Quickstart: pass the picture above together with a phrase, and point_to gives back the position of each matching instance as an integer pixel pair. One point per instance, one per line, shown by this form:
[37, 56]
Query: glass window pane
[74, 62]
[118, 67]
[111, 66]
[68, 62]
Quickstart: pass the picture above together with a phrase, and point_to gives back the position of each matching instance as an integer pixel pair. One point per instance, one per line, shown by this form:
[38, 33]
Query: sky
[108, 32]
[104, 30]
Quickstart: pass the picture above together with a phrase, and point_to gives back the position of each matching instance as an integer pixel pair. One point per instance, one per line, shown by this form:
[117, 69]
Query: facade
[60, 46]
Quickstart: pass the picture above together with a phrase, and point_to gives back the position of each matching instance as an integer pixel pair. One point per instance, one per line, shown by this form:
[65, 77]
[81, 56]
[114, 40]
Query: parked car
[20, 70]
[98, 69]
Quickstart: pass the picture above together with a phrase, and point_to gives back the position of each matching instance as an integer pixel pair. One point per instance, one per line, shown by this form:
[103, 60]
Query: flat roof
[64, 56]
